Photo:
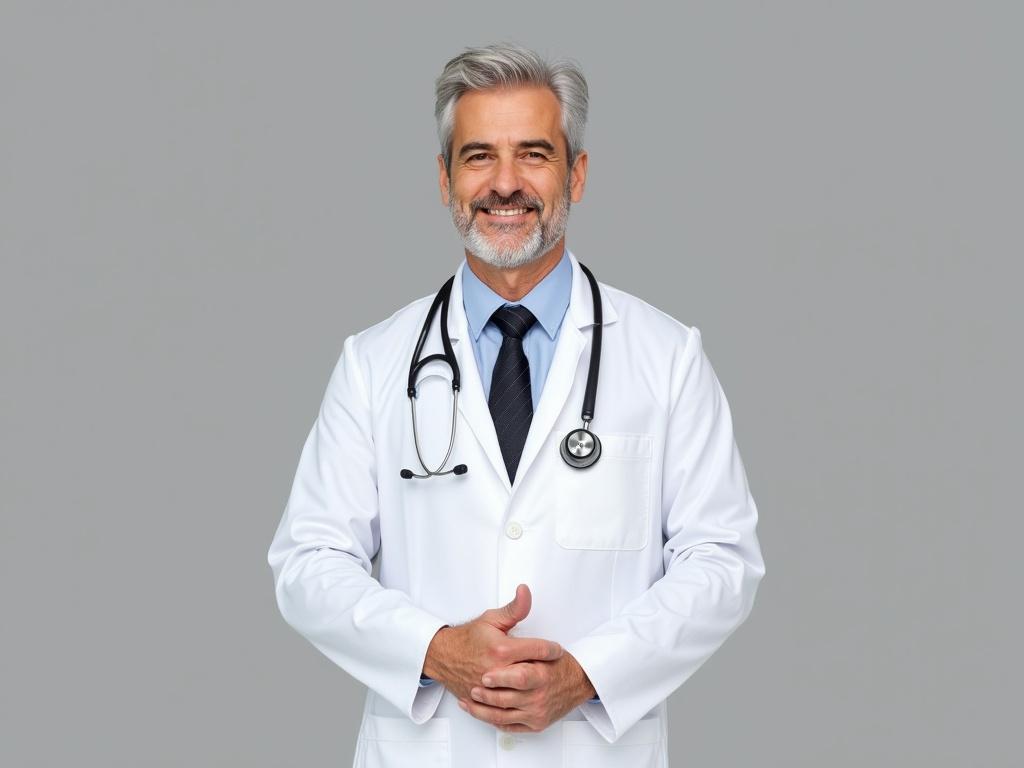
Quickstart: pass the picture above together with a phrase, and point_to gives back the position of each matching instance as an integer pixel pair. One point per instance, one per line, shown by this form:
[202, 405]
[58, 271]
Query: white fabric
[641, 566]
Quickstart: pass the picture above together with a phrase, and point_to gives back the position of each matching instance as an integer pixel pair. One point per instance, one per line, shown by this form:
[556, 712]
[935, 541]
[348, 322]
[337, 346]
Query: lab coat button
[514, 530]
[508, 741]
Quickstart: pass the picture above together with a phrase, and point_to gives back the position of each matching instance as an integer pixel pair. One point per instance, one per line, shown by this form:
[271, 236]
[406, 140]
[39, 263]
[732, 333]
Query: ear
[442, 180]
[579, 176]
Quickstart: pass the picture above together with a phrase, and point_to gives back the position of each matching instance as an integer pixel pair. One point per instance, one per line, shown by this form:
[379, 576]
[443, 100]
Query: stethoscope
[580, 449]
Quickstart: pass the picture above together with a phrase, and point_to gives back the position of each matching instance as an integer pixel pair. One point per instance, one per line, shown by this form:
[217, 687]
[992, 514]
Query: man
[615, 582]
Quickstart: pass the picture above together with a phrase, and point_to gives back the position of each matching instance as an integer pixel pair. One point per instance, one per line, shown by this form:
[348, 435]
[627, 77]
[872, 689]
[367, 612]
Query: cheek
[550, 189]
[457, 199]
[464, 198]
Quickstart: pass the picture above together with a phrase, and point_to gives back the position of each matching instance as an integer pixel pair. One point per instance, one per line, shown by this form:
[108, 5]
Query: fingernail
[488, 680]
[462, 703]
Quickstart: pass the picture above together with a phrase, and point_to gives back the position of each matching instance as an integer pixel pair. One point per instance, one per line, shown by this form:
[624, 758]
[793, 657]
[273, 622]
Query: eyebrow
[527, 144]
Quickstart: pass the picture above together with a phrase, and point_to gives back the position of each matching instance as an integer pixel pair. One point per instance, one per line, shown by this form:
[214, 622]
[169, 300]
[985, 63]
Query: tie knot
[513, 321]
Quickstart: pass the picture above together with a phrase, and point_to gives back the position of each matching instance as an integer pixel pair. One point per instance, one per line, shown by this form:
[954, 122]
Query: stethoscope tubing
[451, 442]
[572, 441]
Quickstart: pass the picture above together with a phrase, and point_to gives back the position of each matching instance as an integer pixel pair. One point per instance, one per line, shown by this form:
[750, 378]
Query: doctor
[536, 604]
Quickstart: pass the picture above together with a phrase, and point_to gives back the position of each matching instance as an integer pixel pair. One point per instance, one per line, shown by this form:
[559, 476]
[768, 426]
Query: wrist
[433, 663]
[589, 692]
[584, 688]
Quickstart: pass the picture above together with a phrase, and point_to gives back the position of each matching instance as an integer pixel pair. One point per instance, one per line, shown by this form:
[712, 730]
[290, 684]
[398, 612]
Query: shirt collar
[547, 300]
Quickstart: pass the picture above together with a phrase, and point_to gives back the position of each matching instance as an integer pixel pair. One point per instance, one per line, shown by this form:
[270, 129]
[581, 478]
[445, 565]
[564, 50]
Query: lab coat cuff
[425, 702]
[425, 697]
[598, 717]
[606, 714]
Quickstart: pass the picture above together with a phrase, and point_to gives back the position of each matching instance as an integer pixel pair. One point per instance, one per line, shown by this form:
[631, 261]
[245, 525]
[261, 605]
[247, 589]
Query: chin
[504, 260]
[529, 249]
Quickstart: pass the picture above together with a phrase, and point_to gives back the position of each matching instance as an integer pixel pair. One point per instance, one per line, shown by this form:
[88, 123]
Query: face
[510, 185]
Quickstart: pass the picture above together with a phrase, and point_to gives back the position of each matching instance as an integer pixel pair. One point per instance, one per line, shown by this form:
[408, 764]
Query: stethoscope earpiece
[581, 448]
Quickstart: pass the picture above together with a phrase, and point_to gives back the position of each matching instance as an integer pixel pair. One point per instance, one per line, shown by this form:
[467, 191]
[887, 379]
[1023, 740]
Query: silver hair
[507, 65]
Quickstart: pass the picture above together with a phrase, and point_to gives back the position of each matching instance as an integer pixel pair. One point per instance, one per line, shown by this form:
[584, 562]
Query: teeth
[510, 212]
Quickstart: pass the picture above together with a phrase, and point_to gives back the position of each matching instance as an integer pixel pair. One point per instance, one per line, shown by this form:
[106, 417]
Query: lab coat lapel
[557, 387]
[562, 373]
[472, 403]
[556, 390]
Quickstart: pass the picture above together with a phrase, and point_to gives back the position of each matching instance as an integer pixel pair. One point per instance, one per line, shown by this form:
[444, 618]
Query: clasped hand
[514, 683]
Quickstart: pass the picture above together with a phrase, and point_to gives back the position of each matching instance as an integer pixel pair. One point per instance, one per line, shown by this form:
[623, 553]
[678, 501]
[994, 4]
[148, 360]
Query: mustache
[516, 201]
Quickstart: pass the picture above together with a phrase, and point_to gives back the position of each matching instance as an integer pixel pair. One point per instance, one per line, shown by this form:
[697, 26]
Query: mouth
[510, 215]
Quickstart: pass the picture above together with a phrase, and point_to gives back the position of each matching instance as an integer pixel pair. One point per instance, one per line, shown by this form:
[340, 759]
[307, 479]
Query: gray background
[199, 201]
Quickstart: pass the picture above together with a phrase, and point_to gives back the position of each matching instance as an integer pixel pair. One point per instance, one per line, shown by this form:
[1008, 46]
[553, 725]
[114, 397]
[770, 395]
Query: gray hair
[506, 65]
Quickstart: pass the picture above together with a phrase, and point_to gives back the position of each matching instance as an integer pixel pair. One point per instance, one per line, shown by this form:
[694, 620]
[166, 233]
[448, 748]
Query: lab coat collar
[564, 366]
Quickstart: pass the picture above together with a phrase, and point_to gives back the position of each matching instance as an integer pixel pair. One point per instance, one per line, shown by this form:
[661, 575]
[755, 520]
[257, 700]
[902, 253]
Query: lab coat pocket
[608, 504]
[584, 747]
[386, 742]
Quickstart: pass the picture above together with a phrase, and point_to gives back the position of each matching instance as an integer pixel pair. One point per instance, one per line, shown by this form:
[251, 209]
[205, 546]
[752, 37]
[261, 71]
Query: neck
[513, 284]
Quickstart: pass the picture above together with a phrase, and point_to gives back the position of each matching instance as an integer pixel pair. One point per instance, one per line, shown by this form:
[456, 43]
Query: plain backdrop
[200, 200]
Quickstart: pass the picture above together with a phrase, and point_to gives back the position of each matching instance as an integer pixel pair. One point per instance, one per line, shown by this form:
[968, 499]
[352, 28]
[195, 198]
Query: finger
[510, 614]
[492, 715]
[522, 677]
[533, 649]
[505, 698]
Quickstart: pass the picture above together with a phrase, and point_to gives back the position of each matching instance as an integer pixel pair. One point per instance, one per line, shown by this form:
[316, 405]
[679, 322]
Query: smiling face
[510, 185]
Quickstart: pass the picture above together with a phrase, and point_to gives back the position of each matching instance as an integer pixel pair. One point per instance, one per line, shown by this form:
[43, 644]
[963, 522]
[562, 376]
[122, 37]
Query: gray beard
[493, 251]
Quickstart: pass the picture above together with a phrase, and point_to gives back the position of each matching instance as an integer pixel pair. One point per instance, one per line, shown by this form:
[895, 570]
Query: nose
[505, 180]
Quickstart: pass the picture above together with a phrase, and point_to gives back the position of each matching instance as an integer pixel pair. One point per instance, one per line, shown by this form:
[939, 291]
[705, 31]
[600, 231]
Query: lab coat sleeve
[321, 555]
[711, 556]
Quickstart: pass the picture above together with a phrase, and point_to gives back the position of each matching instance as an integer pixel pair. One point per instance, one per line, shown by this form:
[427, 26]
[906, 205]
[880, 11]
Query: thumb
[510, 614]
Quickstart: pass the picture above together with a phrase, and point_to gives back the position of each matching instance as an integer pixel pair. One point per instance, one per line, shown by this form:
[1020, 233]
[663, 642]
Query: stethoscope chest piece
[581, 448]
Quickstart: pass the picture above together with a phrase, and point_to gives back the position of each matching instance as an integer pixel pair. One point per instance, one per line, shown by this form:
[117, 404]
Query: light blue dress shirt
[548, 301]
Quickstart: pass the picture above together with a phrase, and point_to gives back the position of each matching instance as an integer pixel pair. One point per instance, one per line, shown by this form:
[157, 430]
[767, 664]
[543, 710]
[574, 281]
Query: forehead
[508, 114]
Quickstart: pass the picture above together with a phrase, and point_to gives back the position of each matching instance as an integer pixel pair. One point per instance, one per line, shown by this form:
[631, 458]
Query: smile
[506, 211]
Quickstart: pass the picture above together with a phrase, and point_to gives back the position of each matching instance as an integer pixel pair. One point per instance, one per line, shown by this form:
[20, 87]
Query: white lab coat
[640, 566]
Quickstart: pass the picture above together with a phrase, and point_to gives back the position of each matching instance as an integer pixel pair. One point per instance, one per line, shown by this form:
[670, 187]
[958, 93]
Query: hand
[529, 695]
[459, 656]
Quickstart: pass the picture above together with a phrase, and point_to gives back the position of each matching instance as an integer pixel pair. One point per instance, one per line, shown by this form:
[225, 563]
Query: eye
[536, 155]
[476, 156]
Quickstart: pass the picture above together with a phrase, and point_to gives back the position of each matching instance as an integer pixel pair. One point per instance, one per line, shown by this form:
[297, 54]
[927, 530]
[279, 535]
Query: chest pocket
[608, 504]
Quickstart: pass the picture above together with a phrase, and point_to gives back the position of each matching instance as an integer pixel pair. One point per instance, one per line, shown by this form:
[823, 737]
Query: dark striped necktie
[511, 398]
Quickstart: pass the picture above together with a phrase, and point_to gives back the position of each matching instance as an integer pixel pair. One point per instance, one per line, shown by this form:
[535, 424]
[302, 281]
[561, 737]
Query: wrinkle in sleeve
[711, 556]
[322, 550]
